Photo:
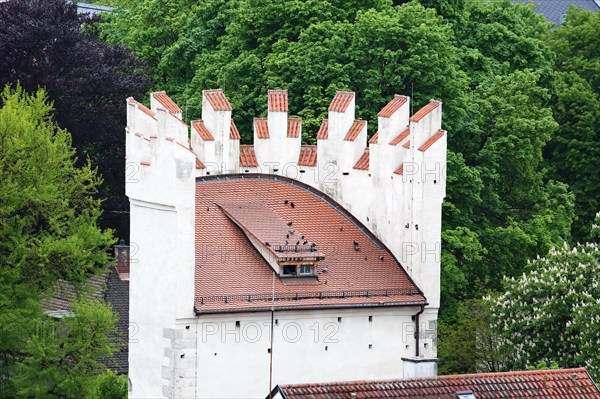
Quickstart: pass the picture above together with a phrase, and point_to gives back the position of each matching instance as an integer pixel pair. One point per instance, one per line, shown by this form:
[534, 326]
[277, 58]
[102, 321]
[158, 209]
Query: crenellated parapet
[394, 183]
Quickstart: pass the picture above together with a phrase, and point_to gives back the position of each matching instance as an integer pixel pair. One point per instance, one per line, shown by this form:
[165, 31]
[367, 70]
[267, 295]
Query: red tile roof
[262, 128]
[232, 276]
[308, 155]
[141, 106]
[323, 130]
[407, 144]
[266, 226]
[425, 146]
[247, 156]
[355, 129]
[293, 127]
[399, 138]
[234, 134]
[393, 106]
[363, 161]
[547, 384]
[341, 101]
[433, 104]
[374, 139]
[166, 102]
[278, 100]
[199, 127]
[217, 99]
[199, 164]
[400, 169]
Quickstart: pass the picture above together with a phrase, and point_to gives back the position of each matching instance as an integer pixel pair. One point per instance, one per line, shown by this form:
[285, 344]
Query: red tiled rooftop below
[323, 130]
[438, 135]
[407, 144]
[199, 164]
[355, 129]
[278, 100]
[199, 127]
[393, 106]
[375, 138]
[229, 270]
[247, 156]
[399, 138]
[308, 155]
[547, 384]
[400, 169]
[293, 127]
[217, 99]
[363, 161]
[341, 101]
[234, 133]
[433, 104]
[262, 128]
[166, 102]
[141, 106]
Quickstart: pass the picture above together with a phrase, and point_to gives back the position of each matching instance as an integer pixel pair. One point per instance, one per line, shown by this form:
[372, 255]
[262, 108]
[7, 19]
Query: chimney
[216, 114]
[341, 115]
[160, 99]
[122, 258]
[393, 118]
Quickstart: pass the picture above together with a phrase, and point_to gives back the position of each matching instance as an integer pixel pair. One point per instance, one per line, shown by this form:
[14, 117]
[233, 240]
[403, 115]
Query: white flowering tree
[552, 313]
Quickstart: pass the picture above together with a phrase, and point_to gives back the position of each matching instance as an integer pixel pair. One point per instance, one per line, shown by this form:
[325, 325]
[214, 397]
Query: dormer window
[297, 270]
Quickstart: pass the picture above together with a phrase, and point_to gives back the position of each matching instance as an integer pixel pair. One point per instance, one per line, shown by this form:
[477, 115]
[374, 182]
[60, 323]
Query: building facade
[277, 262]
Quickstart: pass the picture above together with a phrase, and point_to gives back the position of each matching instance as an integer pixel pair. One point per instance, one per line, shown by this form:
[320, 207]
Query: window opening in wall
[306, 269]
[289, 270]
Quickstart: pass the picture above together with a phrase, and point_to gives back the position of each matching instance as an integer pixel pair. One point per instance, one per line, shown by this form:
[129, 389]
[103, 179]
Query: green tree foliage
[62, 359]
[110, 385]
[48, 224]
[470, 345]
[552, 312]
[574, 152]
[576, 46]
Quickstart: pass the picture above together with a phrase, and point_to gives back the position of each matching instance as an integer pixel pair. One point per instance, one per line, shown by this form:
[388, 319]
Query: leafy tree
[111, 386]
[43, 44]
[552, 313]
[378, 54]
[576, 46]
[470, 345]
[574, 152]
[63, 358]
[48, 222]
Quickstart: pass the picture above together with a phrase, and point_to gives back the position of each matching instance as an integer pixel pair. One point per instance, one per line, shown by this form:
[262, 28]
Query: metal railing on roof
[295, 248]
[307, 295]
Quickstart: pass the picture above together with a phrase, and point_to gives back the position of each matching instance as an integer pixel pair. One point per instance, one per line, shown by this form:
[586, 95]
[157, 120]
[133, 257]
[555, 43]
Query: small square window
[306, 270]
[289, 270]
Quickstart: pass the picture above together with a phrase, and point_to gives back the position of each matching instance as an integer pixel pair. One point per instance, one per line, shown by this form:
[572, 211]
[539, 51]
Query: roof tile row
[308, 155]
[166, 102]
[278, 100]
[548, 384]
